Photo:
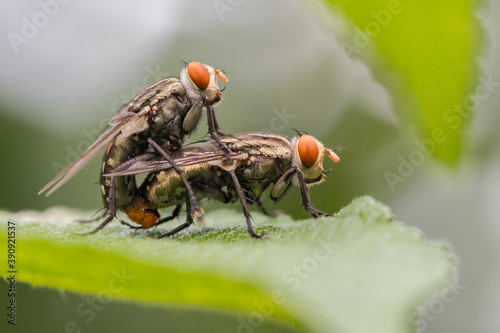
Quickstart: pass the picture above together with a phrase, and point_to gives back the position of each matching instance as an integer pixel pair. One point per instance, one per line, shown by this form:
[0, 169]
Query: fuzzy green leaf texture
[357, 271]
[425, 54]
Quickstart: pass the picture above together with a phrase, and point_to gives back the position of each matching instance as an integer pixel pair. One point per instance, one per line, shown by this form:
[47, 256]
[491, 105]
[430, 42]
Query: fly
[162, 114]
[258, 161]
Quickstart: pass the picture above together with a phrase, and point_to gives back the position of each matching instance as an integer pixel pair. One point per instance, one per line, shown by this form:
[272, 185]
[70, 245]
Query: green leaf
[425, 53]
[323, 274]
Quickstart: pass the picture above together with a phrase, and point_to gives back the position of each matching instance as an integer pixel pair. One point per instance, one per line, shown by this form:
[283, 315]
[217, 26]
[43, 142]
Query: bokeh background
[286, 71]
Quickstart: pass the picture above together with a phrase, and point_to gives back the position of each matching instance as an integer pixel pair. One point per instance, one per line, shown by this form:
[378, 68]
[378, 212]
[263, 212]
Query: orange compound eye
[308, 150]
[198, 74]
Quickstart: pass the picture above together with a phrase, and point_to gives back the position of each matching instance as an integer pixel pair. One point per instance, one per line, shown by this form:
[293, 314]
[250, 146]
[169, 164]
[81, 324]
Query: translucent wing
[129, 119]
[132, 118]
[241, 147]
[189, 158]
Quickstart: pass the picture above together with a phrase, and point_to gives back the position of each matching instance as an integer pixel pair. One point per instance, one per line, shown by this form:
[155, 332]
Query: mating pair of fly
[147, 135]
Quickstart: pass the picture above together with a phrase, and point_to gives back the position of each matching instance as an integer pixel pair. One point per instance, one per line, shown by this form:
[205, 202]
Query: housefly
[162, 114]
[258, 160]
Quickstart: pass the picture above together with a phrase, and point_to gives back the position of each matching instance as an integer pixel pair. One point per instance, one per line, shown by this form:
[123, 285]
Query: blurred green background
[286, 70]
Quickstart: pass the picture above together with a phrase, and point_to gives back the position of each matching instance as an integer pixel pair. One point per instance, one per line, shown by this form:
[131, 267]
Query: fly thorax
[169, 109]
[167, 126]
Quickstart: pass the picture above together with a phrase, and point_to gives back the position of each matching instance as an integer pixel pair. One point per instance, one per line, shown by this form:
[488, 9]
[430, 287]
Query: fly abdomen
[121, 150]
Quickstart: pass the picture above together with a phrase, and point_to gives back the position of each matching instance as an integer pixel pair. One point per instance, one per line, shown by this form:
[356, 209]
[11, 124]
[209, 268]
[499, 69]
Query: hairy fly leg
[263, 209]
[244, 205]
[195, 208]
[94, 219]
[189, 221]
[111, 211]
[306, 200]
[214, 131]
[174, 215]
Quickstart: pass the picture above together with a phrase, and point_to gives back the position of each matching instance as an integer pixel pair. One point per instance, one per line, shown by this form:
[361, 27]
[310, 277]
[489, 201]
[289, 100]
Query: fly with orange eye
[258, 161]
[200, 74]
[162, 114]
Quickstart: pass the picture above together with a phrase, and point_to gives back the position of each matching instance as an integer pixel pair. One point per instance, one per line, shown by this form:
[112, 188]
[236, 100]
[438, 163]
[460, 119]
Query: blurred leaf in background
[426, 54]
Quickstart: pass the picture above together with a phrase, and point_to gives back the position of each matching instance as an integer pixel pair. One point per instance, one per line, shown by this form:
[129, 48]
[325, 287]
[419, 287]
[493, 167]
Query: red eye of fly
[308, 150]
[198, 74]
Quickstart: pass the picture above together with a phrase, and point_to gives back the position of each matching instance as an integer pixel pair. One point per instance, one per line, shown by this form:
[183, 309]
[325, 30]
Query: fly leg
[97, 218]
[306, 200]
[213, 125]
[196, 210]
[110, 195]
[243, 201]
[264, 211]
[135, 227]
[189, 221]
[174, 215]
[179, 228]
[111, 208]
[214, 131]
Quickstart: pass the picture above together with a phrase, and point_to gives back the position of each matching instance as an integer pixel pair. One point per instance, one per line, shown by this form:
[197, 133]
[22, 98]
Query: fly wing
[92, 151]
[191, 158]
[194, 153]
[132, 118]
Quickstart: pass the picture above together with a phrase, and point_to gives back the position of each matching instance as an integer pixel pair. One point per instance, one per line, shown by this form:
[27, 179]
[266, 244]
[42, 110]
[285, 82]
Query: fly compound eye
[198, 73]
[308, 150]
